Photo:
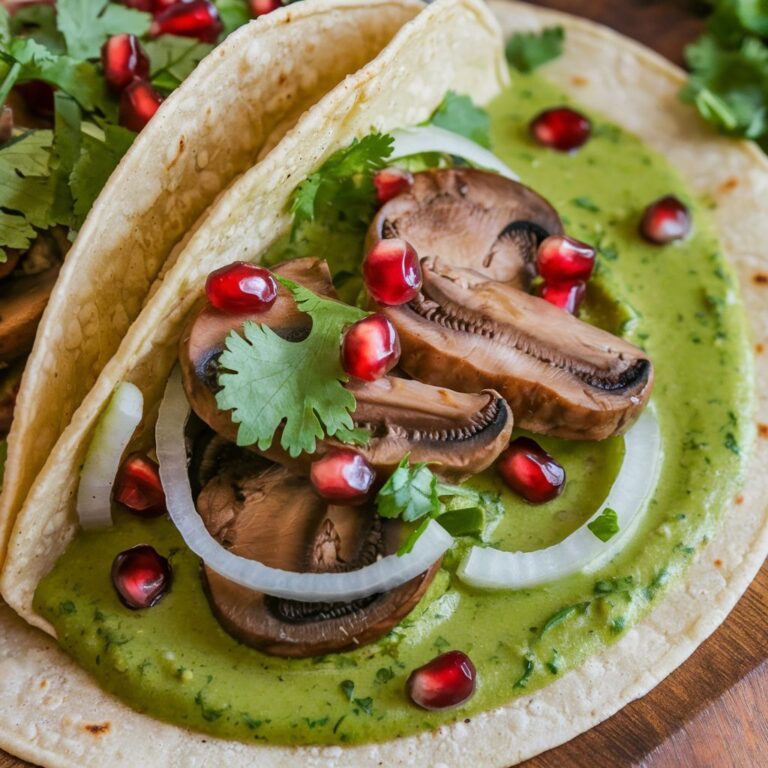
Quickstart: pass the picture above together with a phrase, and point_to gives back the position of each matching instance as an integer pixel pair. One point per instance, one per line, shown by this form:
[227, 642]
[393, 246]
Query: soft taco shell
[52, 713]
[402, 86]
[241, 98]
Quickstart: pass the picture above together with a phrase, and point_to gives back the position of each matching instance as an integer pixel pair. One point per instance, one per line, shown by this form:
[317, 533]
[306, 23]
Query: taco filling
[451, 436]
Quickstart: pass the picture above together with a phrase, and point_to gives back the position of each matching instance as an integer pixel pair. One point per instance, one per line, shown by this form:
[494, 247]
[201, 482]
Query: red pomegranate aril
[198, 19]
[370, 348]
[241, 287]
[141, 577]
[138, 486]
[563, 259]
[124, 59]
[342, 476]
[567, 296]
[392, 182]
[665, 220]
[446, 681]
[158, 6]
[263, 7]
[561, 128]
[138, 104]
[392, 272]
[531, 472]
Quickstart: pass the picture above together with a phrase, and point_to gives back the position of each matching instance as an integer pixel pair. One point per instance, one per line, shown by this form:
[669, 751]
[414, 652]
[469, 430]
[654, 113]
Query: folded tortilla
[240, 100]
[52, 713]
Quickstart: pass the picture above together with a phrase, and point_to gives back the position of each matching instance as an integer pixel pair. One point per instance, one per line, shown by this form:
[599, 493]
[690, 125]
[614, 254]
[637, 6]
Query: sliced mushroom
[560, 375]
[276, 518]
[472, 219]
[461, 433]
[26, 282]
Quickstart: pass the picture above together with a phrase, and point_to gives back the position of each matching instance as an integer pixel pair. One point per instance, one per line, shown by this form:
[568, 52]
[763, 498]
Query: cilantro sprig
[413, 493]
[52, 177]
[527, 51]
[271, 384]
[728, 83]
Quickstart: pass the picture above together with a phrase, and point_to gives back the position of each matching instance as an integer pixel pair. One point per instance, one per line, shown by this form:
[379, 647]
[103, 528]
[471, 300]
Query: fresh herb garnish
[527, 51]
[52, 178]
[459, 114]
[560, 616]
[606, 526]
[347, 688]
[270, 383]
[414, 493]
[529, 665]
[555, 664]
[728, 83]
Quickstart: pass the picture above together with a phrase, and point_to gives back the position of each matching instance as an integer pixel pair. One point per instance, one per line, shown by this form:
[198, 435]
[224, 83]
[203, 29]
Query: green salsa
[679, 303]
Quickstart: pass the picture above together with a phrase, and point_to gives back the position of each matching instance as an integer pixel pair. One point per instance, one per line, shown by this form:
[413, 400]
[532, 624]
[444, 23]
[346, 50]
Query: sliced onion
[110, 439]
[384, 574]
[488, 568]
[430, 138]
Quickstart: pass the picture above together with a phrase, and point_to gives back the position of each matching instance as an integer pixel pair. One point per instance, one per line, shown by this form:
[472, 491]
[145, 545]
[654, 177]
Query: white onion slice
[430, 138]
[110, 439]
[384, 574]
[488, 568]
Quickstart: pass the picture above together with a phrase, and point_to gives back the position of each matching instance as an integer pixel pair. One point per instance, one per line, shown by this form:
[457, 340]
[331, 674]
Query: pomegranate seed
[370, 348]
[392, 272]
[198, 19]
[563, 259]
[342, 476]
[665, 220]
[263, 7]
[158, 6]
[138, 104]
[38, 96]
[140, 576]
[241, 287]
[124, 59]
[446, 681]
[531, 472]
[392, 182]
[567, 296]
[561, 128]
[138, 486]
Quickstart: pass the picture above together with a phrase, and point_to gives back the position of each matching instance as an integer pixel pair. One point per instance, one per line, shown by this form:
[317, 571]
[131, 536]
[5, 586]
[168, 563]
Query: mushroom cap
[470, 218]
[560, 375]
[461, 433]
[275, 517]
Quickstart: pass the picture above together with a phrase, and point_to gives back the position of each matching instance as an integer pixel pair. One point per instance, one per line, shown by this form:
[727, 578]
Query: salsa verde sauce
[678, 302]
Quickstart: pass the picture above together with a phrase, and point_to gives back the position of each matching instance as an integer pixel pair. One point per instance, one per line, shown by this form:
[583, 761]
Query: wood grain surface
[713, 711]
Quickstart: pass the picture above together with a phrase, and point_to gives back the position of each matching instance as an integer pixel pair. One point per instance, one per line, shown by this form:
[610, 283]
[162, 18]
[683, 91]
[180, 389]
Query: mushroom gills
[461, 433]
[560, 376]
[471, 219]
[275, 517]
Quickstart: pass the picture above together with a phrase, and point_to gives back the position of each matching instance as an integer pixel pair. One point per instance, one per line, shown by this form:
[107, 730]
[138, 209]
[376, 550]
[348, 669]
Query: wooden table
[713, 711]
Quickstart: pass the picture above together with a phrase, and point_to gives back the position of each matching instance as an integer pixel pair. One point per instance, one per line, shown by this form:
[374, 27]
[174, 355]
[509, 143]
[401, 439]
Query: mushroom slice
[560, 375]
[461, 433]
[472, 219]
[276, 518]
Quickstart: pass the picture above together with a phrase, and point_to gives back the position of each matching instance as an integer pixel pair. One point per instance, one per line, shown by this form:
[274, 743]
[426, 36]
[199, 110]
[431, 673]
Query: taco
[201, 138]
[539, 621]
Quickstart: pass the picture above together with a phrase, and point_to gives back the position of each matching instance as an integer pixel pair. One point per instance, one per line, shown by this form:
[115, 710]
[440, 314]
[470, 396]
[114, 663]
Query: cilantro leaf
[95, 165]
[527, 51]
[269, 382]
[606, 526]
[39, 23]
[234, 14]
[410, 493]
[341, 190]
[86, 24]
[459, 114]
[173, 59]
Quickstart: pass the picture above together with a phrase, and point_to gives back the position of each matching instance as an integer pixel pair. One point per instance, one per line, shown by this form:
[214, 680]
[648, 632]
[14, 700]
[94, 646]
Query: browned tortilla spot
[97, 729]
